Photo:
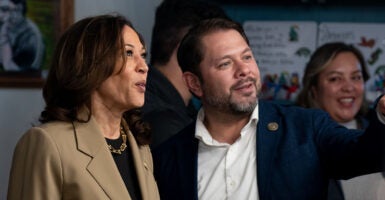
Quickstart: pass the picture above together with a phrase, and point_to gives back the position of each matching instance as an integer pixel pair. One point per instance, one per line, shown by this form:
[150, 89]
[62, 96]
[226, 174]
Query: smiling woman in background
[334, 81]
[92, 143]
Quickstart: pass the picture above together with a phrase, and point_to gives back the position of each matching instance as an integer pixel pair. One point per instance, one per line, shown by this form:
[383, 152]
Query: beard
[230, 102]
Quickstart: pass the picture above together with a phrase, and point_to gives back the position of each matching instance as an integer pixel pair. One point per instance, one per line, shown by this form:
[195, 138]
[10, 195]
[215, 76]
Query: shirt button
[232, 183]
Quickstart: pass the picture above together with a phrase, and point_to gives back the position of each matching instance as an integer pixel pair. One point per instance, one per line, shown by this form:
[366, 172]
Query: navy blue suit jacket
[293, 162]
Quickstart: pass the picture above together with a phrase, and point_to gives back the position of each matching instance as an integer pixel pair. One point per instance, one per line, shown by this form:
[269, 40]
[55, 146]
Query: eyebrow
[338, 72]
[248, 49]
[132, 46]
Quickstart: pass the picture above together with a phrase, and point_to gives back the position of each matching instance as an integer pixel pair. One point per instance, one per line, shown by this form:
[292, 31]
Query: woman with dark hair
[92, 143]
[334, 81]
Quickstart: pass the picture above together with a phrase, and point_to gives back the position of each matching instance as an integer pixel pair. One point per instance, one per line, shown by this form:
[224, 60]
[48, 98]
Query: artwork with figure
[21, 42]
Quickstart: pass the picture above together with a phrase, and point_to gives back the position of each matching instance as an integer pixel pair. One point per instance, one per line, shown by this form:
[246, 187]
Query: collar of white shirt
[202, 134]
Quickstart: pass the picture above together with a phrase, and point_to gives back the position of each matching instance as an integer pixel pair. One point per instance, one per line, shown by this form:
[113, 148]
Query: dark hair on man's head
[191, 49]
[173, 18]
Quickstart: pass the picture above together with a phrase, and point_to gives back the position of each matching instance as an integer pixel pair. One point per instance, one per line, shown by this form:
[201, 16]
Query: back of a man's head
[173, 18]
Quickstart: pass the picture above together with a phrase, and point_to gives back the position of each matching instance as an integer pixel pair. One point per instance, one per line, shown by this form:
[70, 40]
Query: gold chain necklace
[123, 146]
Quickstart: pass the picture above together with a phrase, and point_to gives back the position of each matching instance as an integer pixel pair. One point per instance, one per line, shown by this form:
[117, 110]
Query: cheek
[123, 83]
[360, 88]
[215, 87]
[323, 95]
[322, 91]
[257, 75]
[360, 91]
[212, 85]
[327, 90]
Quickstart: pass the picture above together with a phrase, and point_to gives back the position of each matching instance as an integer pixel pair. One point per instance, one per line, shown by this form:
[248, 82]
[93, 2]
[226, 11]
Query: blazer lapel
[102, 166]
[139, 164]
[269, 130]
[187, 158]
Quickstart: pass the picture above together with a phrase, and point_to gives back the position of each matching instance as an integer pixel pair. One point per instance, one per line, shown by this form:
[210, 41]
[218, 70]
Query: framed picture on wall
[29, 30]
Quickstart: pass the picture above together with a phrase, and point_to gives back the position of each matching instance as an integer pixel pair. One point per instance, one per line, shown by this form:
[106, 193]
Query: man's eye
[225, 64]
[248, 57]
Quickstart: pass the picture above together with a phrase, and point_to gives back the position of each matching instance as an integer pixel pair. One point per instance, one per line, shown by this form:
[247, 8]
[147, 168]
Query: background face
[340, 89]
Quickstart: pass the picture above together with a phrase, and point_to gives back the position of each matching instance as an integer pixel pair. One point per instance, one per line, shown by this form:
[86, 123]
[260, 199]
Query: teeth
[346, 100]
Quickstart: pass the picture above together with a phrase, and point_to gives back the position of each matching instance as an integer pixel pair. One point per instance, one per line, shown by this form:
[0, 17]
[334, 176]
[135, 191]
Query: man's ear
[193, 83]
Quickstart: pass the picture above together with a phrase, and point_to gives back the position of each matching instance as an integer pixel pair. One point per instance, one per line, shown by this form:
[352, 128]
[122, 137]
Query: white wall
[20, 108]
[140, 13]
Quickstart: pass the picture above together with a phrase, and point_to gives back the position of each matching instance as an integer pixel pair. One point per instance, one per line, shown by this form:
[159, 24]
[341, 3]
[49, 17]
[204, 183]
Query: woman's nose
[348, 86]
[142, 66]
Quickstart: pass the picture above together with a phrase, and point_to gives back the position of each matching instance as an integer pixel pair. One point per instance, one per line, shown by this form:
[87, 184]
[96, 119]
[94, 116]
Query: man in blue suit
[240, 147]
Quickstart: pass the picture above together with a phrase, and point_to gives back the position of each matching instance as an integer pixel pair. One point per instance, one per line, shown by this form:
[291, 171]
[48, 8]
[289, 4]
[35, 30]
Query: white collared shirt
[230, 171]
[227, 171]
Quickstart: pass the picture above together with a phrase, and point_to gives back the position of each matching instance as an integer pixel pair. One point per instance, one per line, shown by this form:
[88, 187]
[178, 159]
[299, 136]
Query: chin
[346, 119]
[135, 105]
[139, 105]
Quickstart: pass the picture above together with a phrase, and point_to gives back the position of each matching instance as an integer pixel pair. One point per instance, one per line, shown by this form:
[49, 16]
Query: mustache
[243, 81]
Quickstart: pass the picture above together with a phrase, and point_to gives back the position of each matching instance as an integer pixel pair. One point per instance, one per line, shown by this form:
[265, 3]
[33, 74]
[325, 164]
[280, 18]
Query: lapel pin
[272, 126]
[145, 165]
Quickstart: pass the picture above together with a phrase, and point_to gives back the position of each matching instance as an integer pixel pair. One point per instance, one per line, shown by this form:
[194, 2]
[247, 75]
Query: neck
[108, 120]
[350, 124]
[225, 127]
[174, 74]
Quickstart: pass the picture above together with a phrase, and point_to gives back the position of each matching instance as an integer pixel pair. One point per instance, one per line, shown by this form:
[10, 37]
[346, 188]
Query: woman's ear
[193, 83]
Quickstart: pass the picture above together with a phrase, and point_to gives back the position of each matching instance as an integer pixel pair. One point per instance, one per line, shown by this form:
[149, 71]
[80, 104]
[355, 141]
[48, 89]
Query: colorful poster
[282, 50]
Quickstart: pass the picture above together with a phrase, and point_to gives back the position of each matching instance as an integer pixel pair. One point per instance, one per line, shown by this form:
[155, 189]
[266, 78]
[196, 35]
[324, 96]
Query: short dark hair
[190, 51]
[173, 18]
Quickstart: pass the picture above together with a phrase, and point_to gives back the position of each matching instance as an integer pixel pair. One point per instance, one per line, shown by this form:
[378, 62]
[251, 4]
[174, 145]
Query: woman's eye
[144, 55]
[129, 53]
[357, 78]
[334, 79]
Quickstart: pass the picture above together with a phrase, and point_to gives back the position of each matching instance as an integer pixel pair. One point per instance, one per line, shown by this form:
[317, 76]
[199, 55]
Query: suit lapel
[102, 166]
[187, 158]
[269, 130]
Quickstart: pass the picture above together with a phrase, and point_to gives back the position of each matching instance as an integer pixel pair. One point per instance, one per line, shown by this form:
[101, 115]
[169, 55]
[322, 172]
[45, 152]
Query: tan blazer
[59, 160]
